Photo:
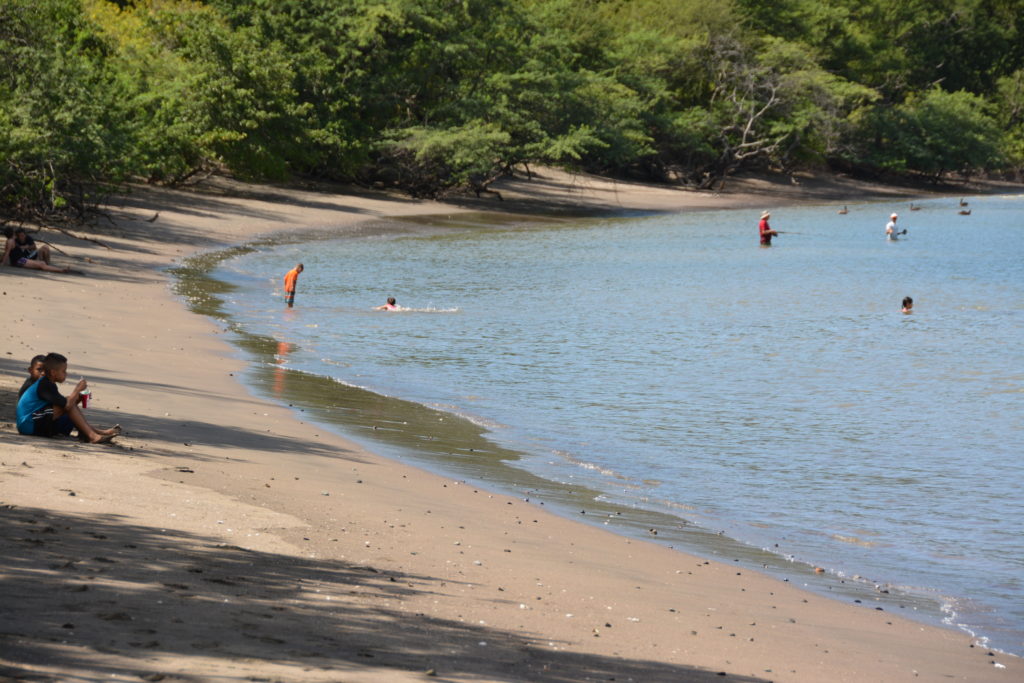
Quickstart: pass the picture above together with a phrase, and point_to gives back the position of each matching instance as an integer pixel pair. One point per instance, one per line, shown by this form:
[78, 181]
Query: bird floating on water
[914, 208]
[962, 202]
[843, 211]
[964, 212]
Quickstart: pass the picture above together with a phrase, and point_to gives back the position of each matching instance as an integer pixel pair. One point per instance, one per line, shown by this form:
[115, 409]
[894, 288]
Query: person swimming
[908, 305]
[389, 306]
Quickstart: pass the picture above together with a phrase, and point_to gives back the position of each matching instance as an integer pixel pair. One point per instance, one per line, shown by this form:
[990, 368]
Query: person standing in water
[890, 229]
[765, 230]
[291, 278]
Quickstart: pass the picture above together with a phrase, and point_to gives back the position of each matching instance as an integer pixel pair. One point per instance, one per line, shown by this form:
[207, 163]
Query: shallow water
[667, 370]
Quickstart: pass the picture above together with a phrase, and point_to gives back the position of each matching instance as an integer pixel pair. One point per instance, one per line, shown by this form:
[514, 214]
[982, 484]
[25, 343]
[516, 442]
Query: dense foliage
[433, 94]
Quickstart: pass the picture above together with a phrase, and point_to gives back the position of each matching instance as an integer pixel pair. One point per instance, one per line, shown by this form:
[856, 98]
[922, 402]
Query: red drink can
[85, 397]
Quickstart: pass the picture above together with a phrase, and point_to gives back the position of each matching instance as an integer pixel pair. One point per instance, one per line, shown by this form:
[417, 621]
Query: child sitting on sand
[42, 411]
[35, 371]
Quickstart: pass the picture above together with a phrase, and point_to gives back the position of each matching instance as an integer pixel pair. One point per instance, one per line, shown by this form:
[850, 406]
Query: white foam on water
[425, 310]
[456, 411]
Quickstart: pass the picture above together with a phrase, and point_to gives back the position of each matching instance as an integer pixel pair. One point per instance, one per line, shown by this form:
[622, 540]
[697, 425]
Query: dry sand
[221, 538]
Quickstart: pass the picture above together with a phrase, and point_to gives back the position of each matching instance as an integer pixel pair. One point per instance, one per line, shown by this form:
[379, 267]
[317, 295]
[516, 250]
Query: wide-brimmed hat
[765, 214]
[894, 216]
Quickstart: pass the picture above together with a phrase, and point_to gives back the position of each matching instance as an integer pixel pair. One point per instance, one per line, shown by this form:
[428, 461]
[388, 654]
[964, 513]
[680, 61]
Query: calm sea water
[669, 364]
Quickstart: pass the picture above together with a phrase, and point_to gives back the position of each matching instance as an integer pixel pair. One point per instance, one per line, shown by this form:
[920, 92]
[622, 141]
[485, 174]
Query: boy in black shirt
[42, 411]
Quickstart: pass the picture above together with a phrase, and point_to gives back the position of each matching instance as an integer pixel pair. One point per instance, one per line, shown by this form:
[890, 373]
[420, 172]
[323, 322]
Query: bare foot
[113, 431]
[102, 438]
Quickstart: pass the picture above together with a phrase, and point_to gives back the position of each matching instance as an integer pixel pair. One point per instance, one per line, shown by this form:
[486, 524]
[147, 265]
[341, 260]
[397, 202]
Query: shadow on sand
[103, 596]
[128, 593]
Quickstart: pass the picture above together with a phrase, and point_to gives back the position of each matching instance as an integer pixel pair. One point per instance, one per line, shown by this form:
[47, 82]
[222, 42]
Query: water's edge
[451, 445]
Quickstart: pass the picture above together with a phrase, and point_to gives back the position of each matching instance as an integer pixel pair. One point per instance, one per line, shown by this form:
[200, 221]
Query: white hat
[765, 214]
[894, 216]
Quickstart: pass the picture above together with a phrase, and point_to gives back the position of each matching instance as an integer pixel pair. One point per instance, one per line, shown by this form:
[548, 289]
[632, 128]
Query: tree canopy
[428, 95]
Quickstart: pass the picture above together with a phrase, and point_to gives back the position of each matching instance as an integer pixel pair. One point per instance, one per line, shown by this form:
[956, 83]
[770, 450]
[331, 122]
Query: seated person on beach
[21, 251]
[35, 371]
[908, 305]
[42, 411]
[389, 306]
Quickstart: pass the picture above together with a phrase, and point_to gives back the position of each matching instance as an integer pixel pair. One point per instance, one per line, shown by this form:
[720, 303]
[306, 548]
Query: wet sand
[223, 538]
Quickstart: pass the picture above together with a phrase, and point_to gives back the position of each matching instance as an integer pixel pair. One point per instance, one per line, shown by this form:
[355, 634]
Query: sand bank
[222, 538]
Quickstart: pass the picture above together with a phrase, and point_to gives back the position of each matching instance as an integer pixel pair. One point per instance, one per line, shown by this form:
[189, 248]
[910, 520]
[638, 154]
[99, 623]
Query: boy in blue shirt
[42, 411]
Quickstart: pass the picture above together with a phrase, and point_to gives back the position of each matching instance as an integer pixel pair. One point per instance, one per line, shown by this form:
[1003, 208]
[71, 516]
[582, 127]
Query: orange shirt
[290, 278]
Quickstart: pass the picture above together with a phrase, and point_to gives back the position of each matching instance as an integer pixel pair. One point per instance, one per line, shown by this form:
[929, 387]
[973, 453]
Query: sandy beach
[223, 538]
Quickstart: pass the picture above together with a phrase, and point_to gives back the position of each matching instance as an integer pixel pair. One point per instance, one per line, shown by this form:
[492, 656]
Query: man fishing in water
[891, 233]
[766, 231]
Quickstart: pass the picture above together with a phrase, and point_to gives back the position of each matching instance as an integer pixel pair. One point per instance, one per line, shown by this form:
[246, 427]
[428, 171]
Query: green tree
[932, 133]
[435, 94]
[228, 99]
[62, 120]
[1010, 116]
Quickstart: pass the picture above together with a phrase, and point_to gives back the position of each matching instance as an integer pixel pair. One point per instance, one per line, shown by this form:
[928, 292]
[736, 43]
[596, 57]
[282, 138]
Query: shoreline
[421, 443]
[414, 570]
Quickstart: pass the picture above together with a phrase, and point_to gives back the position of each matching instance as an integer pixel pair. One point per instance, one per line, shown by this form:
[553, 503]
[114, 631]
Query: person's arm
[75, 397]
